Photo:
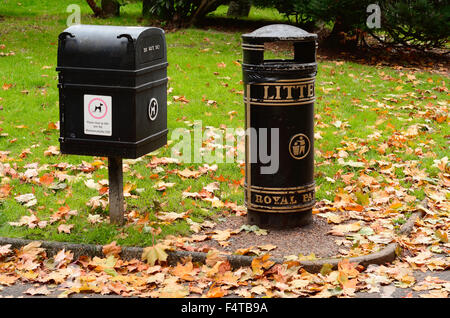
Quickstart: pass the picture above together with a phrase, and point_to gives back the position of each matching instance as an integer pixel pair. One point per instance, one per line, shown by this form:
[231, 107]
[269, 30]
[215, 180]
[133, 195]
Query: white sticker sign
[153, 109]
[97, 115]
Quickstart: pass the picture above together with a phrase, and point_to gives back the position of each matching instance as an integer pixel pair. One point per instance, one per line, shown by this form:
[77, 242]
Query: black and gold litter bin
[279, 113]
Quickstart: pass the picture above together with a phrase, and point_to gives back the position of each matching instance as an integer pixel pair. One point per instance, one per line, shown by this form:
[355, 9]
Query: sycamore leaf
[63, 258]
[5, 250]
[442, 236]
[299, 283]
[326, 269]
[212, 187]
[170, 216]
[221, 235]
[259, 264]
[38, 291]
[111, 249]
[216, 292]
[8, 280]
[184, 271]
[267, 247]
[345, 228]
[153, 254]
[253, 228]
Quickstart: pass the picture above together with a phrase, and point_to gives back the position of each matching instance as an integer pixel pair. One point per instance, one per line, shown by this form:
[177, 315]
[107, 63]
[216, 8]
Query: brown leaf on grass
[64, 212]
[156, 161]
[6, 86]
[162, 186]
[29, 220]
[47, 179]
[97, 202]
[170, 216]
[65, 228]
[111, 249]
[212, 187]
[53, 126]
[128, 188]
[186, 173]
[25, 153]
[5, 190]
[182, 99]
[51, 151]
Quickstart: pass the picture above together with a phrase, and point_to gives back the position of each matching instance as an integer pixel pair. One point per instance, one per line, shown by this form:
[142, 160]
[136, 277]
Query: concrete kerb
[386, 255]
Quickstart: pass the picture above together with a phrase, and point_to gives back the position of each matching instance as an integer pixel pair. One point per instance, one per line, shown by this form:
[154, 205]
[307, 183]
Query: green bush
[296, 10]
[422, 24]
[182, 12]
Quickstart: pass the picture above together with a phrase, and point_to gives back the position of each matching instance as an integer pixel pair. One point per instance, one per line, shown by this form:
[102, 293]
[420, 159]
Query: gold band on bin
[265, 194]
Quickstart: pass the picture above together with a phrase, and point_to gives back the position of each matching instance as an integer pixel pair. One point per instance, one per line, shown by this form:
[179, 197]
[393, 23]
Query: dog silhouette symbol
[98, 107]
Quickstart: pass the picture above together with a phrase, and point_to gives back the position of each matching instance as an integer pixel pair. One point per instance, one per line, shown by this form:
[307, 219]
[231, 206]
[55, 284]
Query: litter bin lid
[278, 32]
[111, 47]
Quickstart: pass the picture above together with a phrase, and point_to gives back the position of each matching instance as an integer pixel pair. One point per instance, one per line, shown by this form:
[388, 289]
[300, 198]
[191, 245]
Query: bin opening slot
[289, 52]
[280, 51]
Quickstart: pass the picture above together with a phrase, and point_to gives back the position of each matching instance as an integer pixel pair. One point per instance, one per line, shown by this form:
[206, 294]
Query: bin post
[115, 175]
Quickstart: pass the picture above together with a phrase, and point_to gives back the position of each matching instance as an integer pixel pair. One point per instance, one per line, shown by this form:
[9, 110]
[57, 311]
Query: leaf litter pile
[363, 218]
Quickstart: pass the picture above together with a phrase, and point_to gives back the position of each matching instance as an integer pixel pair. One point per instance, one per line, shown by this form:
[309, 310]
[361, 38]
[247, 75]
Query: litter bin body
[113, 90]
[279, 94]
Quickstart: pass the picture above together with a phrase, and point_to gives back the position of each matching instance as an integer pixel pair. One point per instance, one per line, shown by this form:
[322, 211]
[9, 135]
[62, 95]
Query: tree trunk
[110, 8]
[204, 8]
[239, 8]
[97, 11]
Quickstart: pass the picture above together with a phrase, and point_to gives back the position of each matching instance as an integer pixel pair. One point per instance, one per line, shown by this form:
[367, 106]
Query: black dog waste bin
[112, 96]
[279, 94]
[112, 90]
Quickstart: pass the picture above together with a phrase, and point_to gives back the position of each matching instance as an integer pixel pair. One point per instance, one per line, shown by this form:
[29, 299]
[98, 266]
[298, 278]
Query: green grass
[352, 93]
[267, 14]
